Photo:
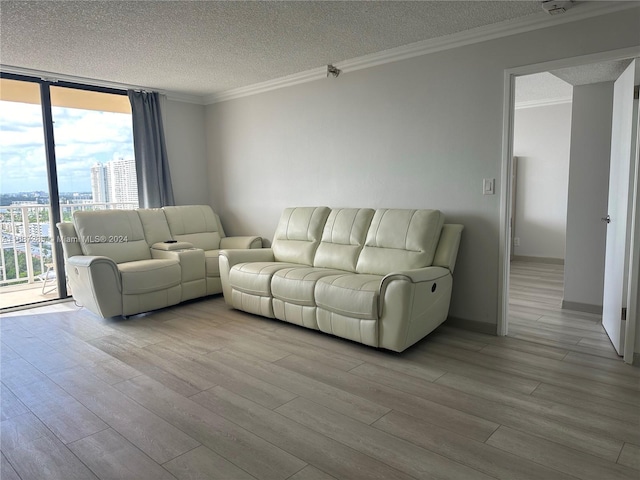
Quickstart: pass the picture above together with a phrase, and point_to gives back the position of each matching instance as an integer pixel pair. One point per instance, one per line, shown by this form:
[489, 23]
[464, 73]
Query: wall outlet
[516, 241]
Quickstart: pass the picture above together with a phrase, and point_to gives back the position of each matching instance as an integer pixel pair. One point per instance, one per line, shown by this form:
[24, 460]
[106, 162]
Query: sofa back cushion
[116, 234]
[400, 240]
[298, 234]
[343, 236]
[154, 225]
[196, 224]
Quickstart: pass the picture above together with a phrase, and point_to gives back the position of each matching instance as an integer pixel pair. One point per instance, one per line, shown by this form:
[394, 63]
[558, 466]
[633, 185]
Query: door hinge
[624, 313]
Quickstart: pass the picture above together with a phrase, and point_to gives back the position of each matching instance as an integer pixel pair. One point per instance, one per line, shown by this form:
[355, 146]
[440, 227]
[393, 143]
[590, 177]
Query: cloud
[82, 138]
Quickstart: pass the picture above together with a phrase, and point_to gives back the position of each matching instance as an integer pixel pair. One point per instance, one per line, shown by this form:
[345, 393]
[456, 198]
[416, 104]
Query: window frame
[50, 157]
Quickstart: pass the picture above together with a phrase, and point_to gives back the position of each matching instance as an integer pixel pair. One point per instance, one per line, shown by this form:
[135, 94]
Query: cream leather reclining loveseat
[382, 278]
[119, 262]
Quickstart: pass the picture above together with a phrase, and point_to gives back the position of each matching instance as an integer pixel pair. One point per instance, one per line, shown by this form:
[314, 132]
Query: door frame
[506, 170]
[634, 248]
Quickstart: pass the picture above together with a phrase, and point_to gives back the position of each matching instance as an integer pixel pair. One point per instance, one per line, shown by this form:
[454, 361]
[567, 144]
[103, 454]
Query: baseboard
[479, 327]
[549, 260]
[582, 307]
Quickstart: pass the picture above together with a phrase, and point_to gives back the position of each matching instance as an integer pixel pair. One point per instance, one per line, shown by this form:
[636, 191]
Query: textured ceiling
[541, 88]
[203, 48]
[593, 73]
[557, 85]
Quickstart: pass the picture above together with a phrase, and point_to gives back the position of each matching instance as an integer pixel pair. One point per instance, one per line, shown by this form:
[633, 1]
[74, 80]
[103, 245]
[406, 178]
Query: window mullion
[54, 194]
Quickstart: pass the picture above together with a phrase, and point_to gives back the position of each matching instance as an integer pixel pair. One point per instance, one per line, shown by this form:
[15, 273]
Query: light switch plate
[489, 186]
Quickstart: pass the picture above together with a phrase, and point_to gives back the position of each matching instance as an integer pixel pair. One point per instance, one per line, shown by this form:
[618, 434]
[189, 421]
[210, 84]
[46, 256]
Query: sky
[83, 137]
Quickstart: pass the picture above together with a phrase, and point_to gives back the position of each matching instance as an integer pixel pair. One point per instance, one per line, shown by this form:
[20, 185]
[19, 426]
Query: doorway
[540, 191]
[535, 292]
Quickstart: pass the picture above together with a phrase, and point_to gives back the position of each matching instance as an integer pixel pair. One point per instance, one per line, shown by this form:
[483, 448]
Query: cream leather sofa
[119, 262]
[382, 278]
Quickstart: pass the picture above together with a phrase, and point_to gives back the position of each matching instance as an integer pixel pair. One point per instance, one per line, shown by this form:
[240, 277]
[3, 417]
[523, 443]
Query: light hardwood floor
[200, 391]
[536, 314]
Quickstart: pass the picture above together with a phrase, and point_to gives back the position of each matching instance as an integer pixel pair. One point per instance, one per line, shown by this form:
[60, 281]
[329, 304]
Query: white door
[619, 176]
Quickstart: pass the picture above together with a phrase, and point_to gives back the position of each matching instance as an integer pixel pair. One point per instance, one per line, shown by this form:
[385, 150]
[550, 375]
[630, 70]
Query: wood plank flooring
[536, 314]
[201, 391]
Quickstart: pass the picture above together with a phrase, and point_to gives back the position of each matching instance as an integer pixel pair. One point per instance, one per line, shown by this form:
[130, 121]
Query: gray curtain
[152, 164]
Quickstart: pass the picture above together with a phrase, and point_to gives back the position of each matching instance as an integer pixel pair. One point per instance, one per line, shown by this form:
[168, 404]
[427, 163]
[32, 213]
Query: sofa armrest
[427, 274]
[96, 284]
[89, 261]
[235, 256]
[171, 246]
[229, 258]
[412, 304]
[227, 243]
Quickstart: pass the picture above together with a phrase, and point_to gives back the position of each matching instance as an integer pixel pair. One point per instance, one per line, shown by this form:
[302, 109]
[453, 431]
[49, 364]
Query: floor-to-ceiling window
[63, 147]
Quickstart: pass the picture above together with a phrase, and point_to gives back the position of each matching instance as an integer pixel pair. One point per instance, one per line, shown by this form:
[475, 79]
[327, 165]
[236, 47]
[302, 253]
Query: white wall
[588, 193]
[184, 128]
[421, 132]
[542, 136]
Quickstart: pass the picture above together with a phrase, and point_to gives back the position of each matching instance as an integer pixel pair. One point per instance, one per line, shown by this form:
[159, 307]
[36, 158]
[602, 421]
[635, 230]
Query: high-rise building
[115, 181]
[98, 183]
[122, 181]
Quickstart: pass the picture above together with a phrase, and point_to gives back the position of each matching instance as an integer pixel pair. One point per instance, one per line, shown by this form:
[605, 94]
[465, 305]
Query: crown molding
[289, 80]
[60, 77]
[490, 32]
[185, 97]
[542, 103]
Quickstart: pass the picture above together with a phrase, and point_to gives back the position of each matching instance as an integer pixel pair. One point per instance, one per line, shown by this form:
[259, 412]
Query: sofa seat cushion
[144, 276]
[212, 263]
[297, 285]
[254, 278]
[351, 295]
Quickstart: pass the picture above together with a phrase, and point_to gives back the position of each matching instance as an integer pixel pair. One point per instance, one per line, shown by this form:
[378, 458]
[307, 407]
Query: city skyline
[83, 137]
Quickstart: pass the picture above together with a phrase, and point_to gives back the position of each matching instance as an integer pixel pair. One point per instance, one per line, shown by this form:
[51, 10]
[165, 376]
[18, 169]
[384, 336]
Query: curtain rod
[59, 77]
